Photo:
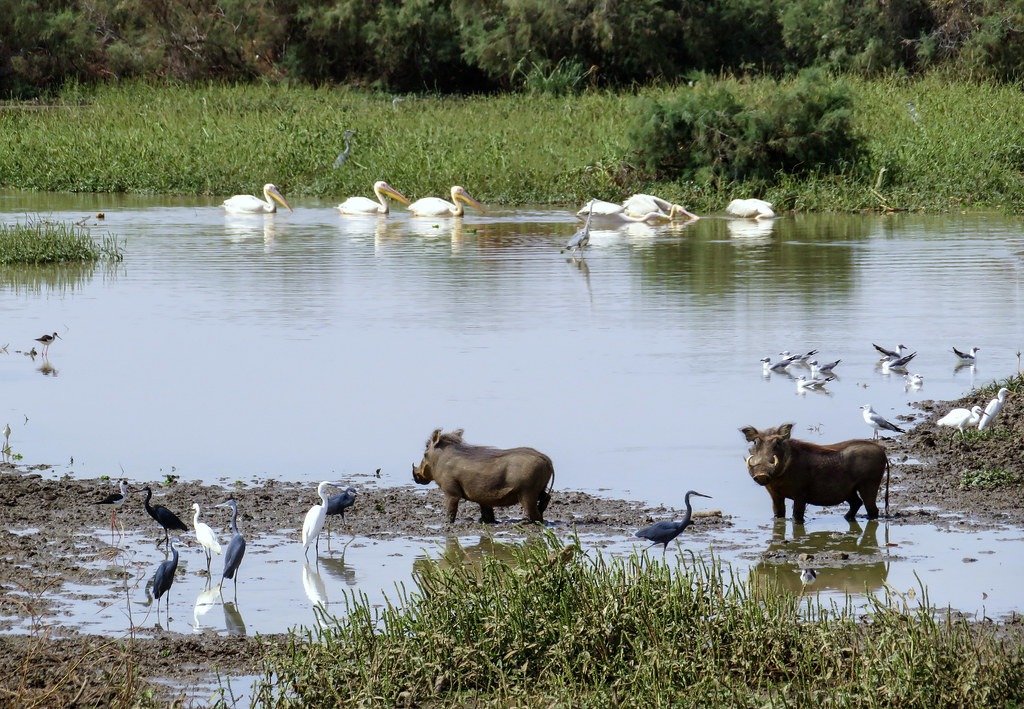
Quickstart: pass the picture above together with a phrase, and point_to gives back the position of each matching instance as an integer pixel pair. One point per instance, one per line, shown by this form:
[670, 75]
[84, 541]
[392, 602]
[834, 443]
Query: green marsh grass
[988, 479]
[38, 241]
[557, 627]
[964, 151]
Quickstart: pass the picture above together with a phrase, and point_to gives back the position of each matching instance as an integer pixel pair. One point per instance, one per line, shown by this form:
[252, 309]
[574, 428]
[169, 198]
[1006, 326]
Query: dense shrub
[727, 131]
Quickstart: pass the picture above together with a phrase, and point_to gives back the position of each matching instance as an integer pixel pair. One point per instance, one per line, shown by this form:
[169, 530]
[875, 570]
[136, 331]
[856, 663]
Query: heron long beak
[276, 196]
[468, 199]
[395, 195]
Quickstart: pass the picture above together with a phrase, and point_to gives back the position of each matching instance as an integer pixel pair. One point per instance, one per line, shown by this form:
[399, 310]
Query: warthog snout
[762, 472]
[418, 473]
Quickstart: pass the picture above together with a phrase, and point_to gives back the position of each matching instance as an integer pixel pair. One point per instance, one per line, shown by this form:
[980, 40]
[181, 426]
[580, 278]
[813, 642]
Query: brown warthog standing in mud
[807, 473]
[491, 477]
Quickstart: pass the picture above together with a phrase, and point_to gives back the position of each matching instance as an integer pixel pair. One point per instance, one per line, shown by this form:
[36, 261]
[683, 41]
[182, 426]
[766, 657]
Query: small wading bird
[961, 419]
[365, 205]
[807, 576]
[115, 500]
[914, 381]
[750, 209]
[205, 536]
[337, 504]
[993, 409]
[164, 576]
[314, 521]
[875, 420]
[7, 437]
[437, 207]
[343, 155]
[164, 517]
[236, 549]
[665, 531]
[965, 357]
[580, 239]
[247, 204]
[46, 341]
[642, 204]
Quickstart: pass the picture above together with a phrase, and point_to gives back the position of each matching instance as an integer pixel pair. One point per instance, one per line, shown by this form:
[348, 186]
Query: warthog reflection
[863, 570]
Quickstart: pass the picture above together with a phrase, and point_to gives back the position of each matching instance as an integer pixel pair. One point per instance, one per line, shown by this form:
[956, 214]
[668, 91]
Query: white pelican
[750, 208]
[437, 207]
[365, 205]
[609, 212]
[640, 204]
[247, 204]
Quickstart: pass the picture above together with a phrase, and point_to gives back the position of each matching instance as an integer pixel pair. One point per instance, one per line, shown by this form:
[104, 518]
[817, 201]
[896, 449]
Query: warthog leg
[854, 500]
[798, 511]
[451, 505]
[487, 515]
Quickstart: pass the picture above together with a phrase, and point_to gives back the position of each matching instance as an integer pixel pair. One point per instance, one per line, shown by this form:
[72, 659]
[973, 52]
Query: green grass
[988, 479]
[966, 151]
[555, 627]
[38, 241]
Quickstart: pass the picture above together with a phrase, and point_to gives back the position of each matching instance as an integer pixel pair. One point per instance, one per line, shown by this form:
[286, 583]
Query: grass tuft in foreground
[38, 241]
[556, 626]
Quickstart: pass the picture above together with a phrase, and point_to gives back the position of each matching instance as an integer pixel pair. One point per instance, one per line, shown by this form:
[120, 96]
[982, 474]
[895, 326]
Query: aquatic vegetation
[556, 626]
[988, 479]
[39, 241]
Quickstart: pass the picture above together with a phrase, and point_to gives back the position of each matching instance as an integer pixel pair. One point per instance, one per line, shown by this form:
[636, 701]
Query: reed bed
[39, 241]
[557, 627]
[932, 145]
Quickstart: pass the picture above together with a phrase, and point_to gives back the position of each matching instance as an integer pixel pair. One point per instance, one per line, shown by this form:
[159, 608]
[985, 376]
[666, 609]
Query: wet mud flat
[48, 532]
[49, 540]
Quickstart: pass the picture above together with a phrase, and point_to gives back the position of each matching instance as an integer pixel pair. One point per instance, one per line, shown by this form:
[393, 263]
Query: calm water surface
[309, 346]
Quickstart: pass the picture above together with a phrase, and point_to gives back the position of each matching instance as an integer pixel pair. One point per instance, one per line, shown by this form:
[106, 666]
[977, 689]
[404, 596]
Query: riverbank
[49, 668]
[931, 145]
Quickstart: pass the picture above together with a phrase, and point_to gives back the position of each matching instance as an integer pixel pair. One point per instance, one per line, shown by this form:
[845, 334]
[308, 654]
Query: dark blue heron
[115, 500]
[665, 531]
[164, 576]
[343, 155]
[164, 517]
[236, 549]
[337, 504]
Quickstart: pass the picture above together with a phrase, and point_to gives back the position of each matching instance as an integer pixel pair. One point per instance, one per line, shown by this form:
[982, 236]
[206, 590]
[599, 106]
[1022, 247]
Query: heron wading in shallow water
[163, 516]
[164, 576]
[665, 531]
[581, 238]
[115, 500]
[236, 549]
[337, 504]
[343, 155]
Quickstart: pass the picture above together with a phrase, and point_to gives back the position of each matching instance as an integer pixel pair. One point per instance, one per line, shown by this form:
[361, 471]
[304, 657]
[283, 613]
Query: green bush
[729, 131]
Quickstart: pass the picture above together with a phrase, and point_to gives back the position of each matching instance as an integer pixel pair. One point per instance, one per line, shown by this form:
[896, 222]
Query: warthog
[491, 477]
[807, 473]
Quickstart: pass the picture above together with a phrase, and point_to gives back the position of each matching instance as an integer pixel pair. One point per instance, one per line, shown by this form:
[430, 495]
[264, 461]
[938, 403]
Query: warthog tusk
[775, 461]
[747, 460]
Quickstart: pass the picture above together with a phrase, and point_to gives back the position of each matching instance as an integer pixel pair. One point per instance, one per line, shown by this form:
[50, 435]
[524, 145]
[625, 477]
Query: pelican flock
[437, 207]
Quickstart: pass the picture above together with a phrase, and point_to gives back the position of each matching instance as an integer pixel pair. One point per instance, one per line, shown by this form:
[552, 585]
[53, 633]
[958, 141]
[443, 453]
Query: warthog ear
[751, 433]
[434, 438]
[785, 430]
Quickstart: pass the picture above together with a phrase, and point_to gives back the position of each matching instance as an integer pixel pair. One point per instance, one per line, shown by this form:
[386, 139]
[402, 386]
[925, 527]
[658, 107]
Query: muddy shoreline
[928, 466]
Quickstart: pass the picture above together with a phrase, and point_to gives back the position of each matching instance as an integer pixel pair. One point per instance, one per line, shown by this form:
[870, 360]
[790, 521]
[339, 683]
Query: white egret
[993, 409]
[750, 209]
[314, 521]
[877, 422]
[365, 205]
[437, 207]
[961, 418]
[7, 437]
[639, 205]
[247, 204]
[205, 536]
